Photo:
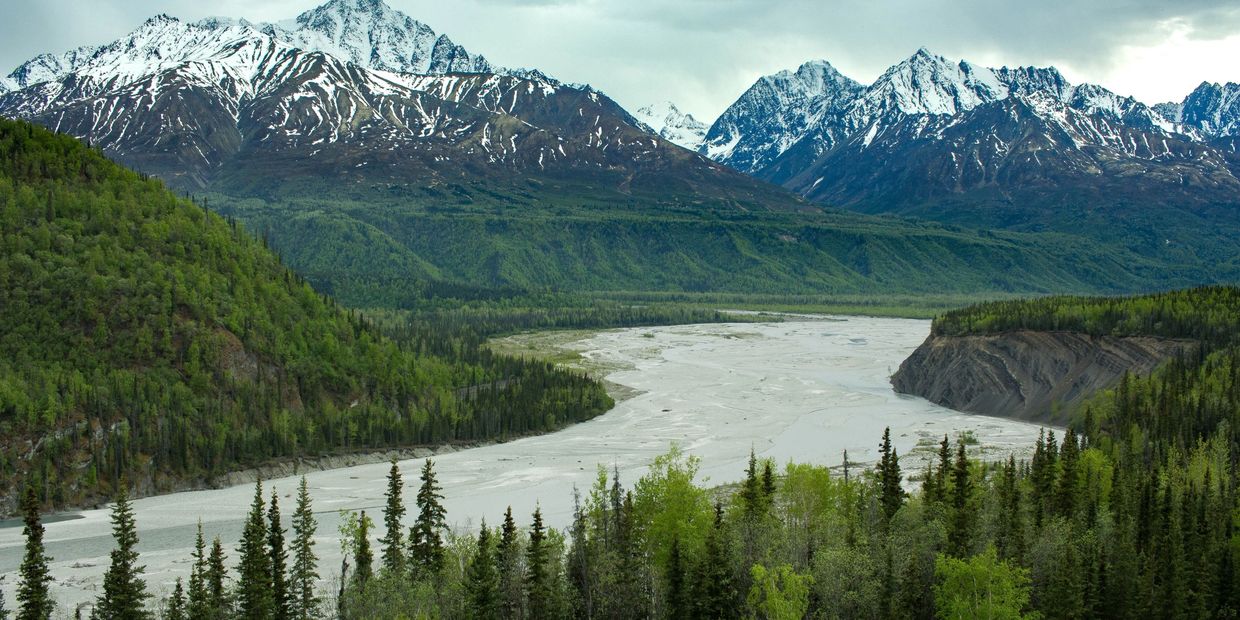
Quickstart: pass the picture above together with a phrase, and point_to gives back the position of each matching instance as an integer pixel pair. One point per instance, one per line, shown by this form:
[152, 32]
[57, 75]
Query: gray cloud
[703, 53]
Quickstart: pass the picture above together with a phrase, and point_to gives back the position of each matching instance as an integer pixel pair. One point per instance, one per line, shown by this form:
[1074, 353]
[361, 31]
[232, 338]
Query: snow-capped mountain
[1010, 148]
[350, 90]
[371, 34]
[1212, 109]
[778, 111]
[667, 121]
[791, 119]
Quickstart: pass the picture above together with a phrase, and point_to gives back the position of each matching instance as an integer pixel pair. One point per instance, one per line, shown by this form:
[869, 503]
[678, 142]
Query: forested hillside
[146, 338]
[1209, 314]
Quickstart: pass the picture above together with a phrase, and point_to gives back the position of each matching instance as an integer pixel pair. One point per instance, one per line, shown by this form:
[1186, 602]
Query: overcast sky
[702, 54]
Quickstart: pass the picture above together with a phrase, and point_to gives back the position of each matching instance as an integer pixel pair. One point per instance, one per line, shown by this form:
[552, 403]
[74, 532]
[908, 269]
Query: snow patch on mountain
[668, 122]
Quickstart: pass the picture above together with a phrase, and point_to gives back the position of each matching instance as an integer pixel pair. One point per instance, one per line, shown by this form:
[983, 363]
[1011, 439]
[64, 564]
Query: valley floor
[801, 390]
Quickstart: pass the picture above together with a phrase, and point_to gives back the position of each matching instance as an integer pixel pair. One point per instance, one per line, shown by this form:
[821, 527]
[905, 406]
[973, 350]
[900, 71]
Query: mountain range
[355, 121]
[1020, 148]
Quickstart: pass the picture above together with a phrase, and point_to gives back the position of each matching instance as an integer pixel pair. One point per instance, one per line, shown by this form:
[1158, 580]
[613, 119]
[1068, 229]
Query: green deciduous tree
[981, 587]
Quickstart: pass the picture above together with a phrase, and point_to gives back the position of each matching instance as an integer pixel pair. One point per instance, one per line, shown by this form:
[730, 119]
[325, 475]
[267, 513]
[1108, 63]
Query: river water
[804, 390]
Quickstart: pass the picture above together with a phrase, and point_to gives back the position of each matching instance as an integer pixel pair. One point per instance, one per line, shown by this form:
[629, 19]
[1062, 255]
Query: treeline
[146, 338]
[1208, 314]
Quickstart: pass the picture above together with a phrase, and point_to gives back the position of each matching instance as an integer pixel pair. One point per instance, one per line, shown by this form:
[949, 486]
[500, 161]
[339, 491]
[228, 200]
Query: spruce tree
[426, 552]
[539, 592]
[511, 575]
[279, 561]
[199, 603]
[34, 602]
[768, 483]
[124, 591]
[363, 558]
[715, 593]
[217, 574]
[483, 576]
[1067, 487]
[677, 599]
[304, 574]
[254, 599]
[4, 610]
[1011, 536]
[891, 495]
[392, 541]
[960, 532]
[176, 603]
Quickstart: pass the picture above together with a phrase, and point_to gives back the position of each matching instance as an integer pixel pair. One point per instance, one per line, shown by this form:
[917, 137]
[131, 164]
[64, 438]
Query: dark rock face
[1026, 375]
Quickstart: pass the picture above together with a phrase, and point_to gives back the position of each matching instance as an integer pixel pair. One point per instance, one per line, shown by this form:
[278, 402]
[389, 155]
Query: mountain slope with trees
[146, 338]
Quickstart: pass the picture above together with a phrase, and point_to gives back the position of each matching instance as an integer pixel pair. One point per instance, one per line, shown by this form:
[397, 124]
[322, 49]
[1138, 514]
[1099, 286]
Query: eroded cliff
[1026, 374]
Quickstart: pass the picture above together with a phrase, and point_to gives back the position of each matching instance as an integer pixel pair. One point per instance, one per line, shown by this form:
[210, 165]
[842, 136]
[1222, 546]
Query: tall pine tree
[254, 596]
[483, 578]
[217, 576]
[539, 585]
[511, 576]
[891, 495]
[960, 531]
[279, 560]
[304, 571]
[426, 552]
[124, 592]
[198, 605]
[34, 601]
[393, 512]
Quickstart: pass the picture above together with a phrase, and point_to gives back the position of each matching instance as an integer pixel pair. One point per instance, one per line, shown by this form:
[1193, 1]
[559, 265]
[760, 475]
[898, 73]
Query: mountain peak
[666, 120]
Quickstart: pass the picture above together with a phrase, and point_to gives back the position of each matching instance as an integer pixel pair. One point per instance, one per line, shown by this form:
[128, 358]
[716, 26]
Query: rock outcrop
[1026, 374]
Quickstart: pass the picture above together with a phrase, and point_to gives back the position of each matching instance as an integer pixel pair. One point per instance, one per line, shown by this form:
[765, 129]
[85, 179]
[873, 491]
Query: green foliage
[780, 594]
[426, 556]
[1208, 314]
[254, 588]
[146, 337]
[982, 586]
[124, 591]
[393, 511]
[383, 251]
[303, 597]
[34, 601]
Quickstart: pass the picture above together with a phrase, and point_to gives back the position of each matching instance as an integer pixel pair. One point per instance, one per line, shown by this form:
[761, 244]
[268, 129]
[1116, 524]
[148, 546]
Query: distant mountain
[668, 122]
[350, 90]
[1014, 148]
[371, 152]
[1211, 109]
[777, 112]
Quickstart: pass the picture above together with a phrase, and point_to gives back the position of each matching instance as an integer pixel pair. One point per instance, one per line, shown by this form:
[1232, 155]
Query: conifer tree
[539, 592]
[124, 591]
[304, 574]
[279, 561]
[1010, 543]
[176, 603]
[217, 574]
[393, 540]
[768, 483]
[677, 599]
[363, 558]
[4, 610]
[715, 593]
[511, 575]
[254, 597]
[34, 602]
[483, 577]
[891, 495]
[959, 535]
[751, 490]
[581, 569]
[199, 604]
[426, 553]
[1067, 486]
